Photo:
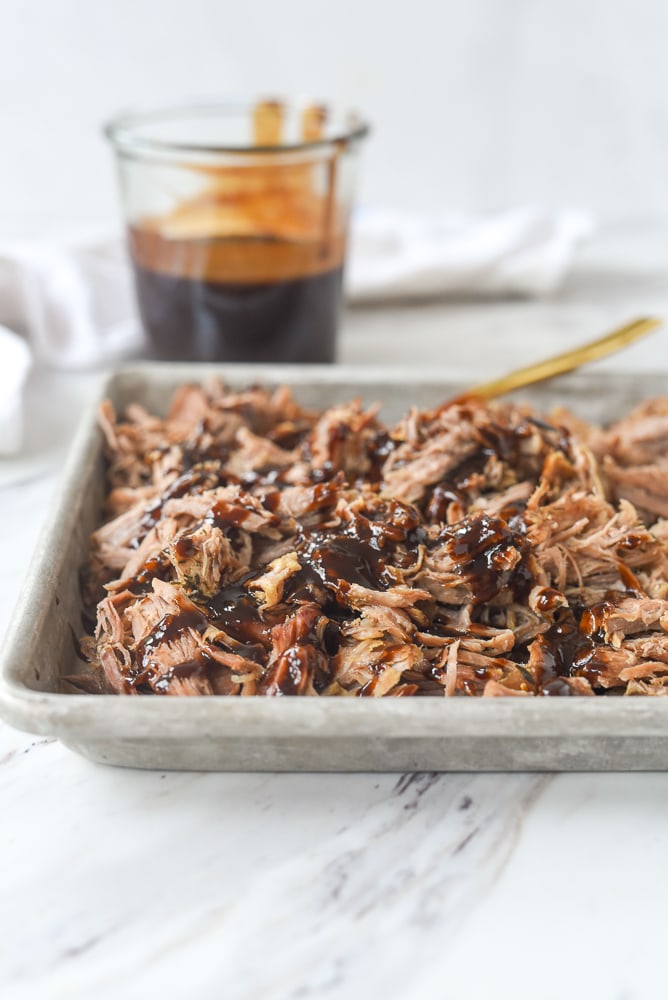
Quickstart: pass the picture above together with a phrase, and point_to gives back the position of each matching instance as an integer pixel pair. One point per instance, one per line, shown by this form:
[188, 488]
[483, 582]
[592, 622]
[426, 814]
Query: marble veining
[157, 873]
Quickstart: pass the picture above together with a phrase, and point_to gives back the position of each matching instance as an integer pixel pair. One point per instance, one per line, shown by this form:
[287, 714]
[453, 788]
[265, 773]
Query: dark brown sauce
[203, 451]
[232, 610]
[366, 551]
[235, 611]
[192, 482]
[548, 600]
[632, 541]
[142, 582]
[291, 672]
[593, 620]
[629, 579]
[225, 514]
[478, 546]
[198, 667]
[307, 585]
[508, 442]
[269, 477]
[570, 648]
[463, 483]
[346, 557]
[168, 629]
[554, 666]
[191, 319]
[270, 499]
[184, 547]
[441, 497]
[558, 437]
[379, 450]
[325, 495]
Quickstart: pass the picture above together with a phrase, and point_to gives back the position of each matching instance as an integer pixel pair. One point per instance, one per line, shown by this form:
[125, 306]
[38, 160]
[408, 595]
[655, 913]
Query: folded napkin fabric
[74, 303]
[14, 367]
[398, 255]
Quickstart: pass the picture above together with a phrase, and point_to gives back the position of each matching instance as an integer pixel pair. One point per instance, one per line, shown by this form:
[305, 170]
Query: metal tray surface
[301, 734]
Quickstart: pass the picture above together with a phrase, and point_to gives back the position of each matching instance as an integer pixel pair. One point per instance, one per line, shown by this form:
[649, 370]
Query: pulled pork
[252, 547]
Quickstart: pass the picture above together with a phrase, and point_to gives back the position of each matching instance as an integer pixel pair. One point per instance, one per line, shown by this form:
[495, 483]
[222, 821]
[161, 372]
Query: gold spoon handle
[567, 361]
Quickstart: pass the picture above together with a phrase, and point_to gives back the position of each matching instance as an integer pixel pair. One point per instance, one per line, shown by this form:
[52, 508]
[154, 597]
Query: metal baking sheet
[301, 734]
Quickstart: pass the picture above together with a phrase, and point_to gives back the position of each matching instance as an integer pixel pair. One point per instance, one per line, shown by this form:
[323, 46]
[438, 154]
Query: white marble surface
[118, 883]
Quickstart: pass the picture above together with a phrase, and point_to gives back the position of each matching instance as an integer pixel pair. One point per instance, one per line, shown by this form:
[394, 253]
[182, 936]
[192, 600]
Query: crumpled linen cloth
[398, 255]
[72, 302]
[14, 367]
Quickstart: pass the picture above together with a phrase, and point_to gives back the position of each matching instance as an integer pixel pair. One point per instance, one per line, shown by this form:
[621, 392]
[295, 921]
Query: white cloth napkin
[73, 300]
[14, 367]
[398, 255]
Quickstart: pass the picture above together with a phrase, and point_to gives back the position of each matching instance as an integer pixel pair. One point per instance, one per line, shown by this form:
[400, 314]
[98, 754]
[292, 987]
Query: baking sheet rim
[63, 715]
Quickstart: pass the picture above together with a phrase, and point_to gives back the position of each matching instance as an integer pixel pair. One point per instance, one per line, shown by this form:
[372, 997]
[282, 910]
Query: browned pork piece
[253, 547]
[634, 454]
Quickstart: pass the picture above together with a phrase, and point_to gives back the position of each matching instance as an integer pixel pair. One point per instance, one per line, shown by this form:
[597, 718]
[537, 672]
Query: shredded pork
[253, 547]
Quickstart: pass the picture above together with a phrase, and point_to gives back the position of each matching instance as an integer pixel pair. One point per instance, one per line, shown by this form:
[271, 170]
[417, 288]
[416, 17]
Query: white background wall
[475, 103]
